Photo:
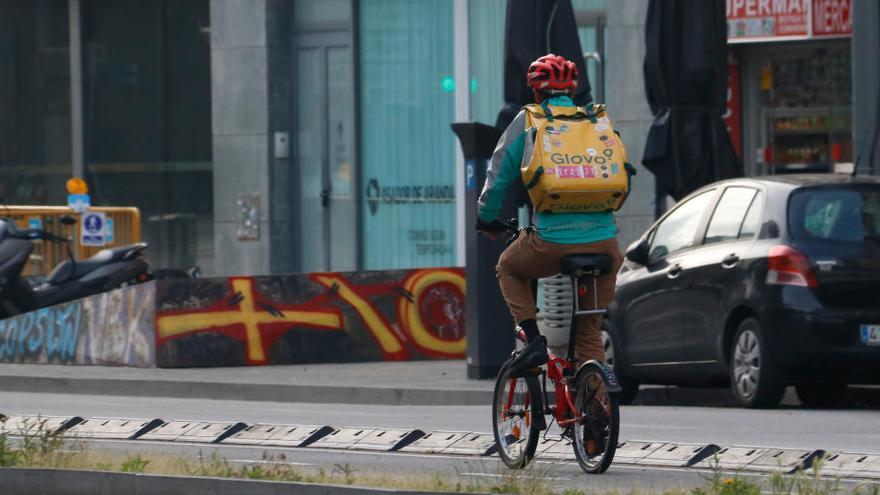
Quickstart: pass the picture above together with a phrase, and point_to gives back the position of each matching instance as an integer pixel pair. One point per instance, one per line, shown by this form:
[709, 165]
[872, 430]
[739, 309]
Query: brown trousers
[530, 257]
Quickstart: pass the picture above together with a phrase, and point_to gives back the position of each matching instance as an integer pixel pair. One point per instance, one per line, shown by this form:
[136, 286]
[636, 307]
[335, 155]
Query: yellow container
[578, 164]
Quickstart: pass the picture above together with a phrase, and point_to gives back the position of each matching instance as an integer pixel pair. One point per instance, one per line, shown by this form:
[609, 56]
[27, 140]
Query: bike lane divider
[260, 433]
[21, 424]
[732, 458]
[852, 465]
[630, 452]
[434, 442]
[639, 453]
[112, 428]
[481, 444]
[679, 455]
[385, 439]
[786, 460]
[169, 431]
[342, 438]
[563, 450]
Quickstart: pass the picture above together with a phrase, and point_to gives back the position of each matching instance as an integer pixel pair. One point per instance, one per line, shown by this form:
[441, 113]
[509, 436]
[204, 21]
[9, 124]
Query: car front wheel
[629, 387]
[755, 379]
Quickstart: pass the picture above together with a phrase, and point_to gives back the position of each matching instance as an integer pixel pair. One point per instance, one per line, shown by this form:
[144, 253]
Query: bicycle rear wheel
[515, 405]
[595, 436]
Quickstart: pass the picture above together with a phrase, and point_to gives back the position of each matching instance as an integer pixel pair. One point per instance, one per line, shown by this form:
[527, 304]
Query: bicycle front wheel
[595, 434]
[515, 406]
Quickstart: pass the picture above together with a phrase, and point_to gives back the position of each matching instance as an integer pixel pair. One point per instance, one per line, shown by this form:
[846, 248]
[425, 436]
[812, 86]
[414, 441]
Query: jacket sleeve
[504, 168]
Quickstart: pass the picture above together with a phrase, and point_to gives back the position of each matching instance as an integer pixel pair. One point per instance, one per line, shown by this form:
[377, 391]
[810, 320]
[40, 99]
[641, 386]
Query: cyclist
[537, 251]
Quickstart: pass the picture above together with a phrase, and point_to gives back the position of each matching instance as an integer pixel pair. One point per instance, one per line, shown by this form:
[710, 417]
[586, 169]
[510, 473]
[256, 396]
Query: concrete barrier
[27, 481]
[309, 318]
[114, 328]
[288, 319]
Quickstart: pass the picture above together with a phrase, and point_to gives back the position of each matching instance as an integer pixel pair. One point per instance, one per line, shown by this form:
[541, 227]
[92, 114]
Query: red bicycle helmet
[552, 72]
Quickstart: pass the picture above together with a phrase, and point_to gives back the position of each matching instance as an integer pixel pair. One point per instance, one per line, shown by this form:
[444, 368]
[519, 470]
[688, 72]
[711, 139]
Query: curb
[31, 481]
[859, 397]
[321, 394]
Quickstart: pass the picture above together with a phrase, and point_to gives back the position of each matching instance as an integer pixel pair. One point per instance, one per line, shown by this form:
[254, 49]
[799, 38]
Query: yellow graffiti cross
[246, 314]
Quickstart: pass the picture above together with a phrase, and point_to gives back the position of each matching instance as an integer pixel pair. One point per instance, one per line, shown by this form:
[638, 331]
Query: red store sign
[782, 20]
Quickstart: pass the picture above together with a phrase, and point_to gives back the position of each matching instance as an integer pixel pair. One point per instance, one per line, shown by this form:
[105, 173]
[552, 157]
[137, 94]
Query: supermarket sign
[750, 21]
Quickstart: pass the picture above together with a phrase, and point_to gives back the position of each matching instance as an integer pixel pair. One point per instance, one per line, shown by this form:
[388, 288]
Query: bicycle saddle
[585, 262]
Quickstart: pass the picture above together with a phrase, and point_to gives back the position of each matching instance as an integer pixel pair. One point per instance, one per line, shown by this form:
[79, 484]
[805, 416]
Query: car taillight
[788, 266]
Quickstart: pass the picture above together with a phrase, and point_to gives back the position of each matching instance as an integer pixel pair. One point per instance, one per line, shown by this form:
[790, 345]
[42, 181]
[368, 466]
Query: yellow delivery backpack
[578, 164]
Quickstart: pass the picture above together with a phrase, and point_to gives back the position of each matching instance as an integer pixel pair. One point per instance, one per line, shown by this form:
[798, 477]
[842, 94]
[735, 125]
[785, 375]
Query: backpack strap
[547, 112]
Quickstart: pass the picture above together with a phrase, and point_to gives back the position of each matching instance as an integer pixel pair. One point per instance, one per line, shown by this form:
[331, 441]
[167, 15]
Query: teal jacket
[513, 151]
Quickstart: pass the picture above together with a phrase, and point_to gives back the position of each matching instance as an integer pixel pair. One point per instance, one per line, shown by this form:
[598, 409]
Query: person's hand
[491, 229]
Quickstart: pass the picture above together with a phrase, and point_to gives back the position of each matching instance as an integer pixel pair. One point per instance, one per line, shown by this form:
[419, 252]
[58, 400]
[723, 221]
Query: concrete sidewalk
[391, 383]
[388, 383]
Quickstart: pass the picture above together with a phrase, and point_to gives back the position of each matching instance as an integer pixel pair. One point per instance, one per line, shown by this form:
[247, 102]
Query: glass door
[325, 152]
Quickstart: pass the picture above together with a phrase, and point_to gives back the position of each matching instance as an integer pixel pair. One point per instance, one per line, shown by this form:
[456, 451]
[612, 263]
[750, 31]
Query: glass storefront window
[486, 23]
[805, 106]
[408, 150]
[590, 16]
[147, 120]
[35, 151]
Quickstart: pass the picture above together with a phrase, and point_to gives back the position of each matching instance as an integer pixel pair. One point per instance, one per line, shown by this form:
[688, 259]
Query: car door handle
[730, 260]
[674, 271]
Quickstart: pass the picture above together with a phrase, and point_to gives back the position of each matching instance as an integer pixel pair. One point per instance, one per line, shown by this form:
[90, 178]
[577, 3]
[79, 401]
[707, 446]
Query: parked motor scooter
[71, 279]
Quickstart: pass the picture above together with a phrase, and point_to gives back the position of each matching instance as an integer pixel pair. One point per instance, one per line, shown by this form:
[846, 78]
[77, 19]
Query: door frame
[325, 37]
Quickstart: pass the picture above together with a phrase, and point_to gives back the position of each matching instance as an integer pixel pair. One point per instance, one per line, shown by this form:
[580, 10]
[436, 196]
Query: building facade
[273, 136]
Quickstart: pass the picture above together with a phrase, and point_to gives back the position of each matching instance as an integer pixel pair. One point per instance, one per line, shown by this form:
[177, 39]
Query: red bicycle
[585, 408]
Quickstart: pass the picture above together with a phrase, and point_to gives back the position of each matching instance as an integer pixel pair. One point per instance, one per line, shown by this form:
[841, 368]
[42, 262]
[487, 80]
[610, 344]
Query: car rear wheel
[755, 379]
[822, 395]
[629, 387]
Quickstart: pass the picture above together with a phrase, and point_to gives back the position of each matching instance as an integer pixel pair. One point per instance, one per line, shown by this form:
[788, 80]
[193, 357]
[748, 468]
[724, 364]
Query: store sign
[832, 17]
[733, 111]
[751, 21]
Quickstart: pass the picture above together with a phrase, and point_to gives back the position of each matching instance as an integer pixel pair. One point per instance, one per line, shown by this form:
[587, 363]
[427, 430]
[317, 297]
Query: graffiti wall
[318, 317]
[115, 328]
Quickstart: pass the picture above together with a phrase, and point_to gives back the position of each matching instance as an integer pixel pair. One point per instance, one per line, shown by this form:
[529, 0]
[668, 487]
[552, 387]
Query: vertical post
[462, 114]
[489, 328]
[865, 81]
[77, 141]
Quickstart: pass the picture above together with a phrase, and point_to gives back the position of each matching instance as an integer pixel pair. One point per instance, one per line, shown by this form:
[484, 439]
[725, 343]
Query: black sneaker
[531, 356]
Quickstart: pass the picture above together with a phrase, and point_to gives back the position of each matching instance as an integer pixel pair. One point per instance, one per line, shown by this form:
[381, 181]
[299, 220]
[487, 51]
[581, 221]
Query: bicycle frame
[562, 370]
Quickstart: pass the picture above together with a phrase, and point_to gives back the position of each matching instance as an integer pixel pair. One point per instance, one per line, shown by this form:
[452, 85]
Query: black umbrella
[686, 81]
[535, 28]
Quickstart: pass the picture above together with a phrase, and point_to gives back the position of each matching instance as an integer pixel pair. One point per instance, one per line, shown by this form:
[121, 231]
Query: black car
[760, 283]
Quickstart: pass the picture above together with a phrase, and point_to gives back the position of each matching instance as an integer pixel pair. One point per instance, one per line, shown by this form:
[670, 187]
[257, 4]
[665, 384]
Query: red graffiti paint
[401, 313]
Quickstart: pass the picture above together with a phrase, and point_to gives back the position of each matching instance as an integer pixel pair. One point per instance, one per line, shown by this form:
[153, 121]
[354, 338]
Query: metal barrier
[126, 229]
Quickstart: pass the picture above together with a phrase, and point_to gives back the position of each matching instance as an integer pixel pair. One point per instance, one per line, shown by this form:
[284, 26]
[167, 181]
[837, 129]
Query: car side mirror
[637, 252]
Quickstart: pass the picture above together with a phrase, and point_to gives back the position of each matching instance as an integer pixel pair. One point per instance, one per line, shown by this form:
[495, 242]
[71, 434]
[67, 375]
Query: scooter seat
[69, 270]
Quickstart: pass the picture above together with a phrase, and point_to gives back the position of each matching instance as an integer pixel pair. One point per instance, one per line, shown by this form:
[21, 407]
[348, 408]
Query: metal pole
[77, 155]
[462, 114]
[865, 81]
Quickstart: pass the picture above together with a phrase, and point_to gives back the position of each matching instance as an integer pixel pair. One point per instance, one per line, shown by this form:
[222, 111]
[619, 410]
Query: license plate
[871, 334]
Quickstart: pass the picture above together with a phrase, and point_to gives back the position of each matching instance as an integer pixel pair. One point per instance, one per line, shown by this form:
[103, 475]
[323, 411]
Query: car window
[752, 224]
[729, 214]
[677, 231]
[837, 214]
